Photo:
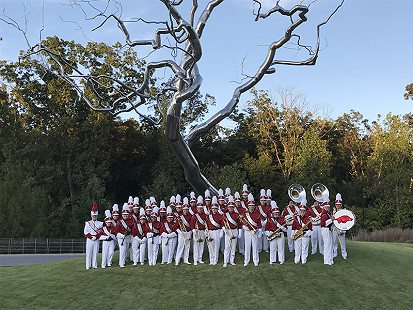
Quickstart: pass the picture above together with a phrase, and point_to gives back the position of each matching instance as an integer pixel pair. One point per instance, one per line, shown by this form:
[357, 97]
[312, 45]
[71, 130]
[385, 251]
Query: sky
[364, 65]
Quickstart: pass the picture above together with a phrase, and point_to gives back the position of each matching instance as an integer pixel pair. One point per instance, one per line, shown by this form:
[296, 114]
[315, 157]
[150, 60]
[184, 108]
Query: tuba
[319, 190]
[296, 192]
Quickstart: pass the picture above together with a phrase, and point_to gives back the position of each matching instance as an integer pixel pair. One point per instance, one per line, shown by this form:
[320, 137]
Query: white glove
[259, 233]
[179, 231]
[244, 227]
[194, 231]
[239, 233]
[284, 229]
[308, 233]
[149, 235]
[267, 233]
[159, 241]
[120, 236]
[173, 234]
[164, 235]
[112, 236]
[144, 239]
[93, 238]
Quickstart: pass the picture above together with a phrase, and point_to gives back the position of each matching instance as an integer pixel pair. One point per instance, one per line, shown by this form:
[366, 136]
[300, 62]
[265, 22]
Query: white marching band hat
[94, 210]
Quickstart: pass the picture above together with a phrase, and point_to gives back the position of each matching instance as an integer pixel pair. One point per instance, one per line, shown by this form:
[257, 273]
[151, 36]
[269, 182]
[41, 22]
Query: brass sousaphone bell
[319, 190]
[296, 192]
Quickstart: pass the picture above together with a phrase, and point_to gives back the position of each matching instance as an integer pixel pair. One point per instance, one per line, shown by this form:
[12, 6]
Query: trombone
[208, 240]
[230, 238]
[183, 229]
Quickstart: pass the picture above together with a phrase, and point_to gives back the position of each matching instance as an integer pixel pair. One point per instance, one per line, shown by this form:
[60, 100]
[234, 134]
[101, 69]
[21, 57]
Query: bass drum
[344, 219]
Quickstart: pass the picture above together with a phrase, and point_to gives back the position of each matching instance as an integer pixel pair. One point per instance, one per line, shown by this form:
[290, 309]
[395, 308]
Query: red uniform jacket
[310, 211]
[102, 232]
[326, 219]
[172, 227]
[195, 220]
[140, 232]
[120, 229]
[186, 220]
[271, 223]
[285, 211]
[301, 221]
[265, 211]
[255, 217]
[235, 218]
[155, 227]
[215, 217]
[135, 217]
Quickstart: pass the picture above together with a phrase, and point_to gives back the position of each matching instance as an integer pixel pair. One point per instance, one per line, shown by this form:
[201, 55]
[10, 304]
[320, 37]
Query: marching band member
[268, 198]
[337, 233]
[198, 222]
[148, 210]
[91, 232]
[214, 228]
[252, 231]
[227, 194]
[107, 235]
[153, 237]
[314, 212]
[326, 222]
[123, 231]
[162, 211]
[130, 205]
[303, 222]
[168, 236]
[232, 228]
[178, 206]
[139, 231]
[221, 209]
[244, 201]
[192, 203]
[288, 214]
[275, 229]
[115, 214]
[241, 210]
[207, 199]
[183, 229]
[264, 210]
[135, 209]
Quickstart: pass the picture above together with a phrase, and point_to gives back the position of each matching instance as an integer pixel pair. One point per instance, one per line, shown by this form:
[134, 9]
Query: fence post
[23, 247]
[35, 245]
[9, 249]
[47, 245]
[72, 245]
[60, 245]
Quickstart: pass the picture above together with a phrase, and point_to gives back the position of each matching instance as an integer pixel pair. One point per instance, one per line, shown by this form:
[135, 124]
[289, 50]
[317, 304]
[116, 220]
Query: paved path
[31, 259]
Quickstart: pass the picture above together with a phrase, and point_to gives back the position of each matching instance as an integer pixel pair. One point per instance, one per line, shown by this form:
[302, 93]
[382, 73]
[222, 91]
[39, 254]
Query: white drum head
[344, 219]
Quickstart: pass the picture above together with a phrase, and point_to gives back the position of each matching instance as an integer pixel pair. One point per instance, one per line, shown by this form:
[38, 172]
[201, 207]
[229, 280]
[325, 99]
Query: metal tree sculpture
[186, 76]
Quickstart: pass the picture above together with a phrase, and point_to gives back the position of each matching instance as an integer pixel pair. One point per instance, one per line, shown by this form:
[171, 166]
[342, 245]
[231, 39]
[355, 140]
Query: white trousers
[336, 244]
[198, 250]
[328, 245]
[153, 249]
[168, 249]
[123, 249]
[290, 241]
[139, 249]
[277, 245]
[241, 244]
[316, 239]
[265, 243]
[251, 243]
[92, 249]
[301, 249]
[213, 248]
[108, 248]
[183, 246]
[230, 245]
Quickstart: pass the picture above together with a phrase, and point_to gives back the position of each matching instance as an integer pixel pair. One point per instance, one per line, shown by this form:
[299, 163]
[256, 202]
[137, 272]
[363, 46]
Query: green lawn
[375, 276]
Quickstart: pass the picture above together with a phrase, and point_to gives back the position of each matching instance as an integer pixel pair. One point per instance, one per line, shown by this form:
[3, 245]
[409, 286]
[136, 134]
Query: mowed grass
[375, 276]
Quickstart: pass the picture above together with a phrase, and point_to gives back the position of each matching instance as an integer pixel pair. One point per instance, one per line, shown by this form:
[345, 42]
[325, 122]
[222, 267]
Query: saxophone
[276, 233]
[300, 232]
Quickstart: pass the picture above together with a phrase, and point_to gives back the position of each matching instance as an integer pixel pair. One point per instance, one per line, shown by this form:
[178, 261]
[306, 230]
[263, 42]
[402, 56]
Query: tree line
[57, 156]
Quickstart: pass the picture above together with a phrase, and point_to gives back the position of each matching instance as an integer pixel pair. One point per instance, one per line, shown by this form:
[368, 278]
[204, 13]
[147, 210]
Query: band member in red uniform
[214, 228]
[231, 227]
[198, 222]
[275, 229]
[244, 201]
[265, 212]
[339, 236]
[135, 209]
[153, 237]
[107, 236]
[227, 194]
[162, 211]
[241, 210]
[192, 204]
[91, 232]
[252, 231]
[326, 222]
[139, 231]
[314, 213]
[288, 214]
[123, 232]
[148, 210]
[268, 199]
[221, 200]
[302, 242]
[178, 206]
[207, 198]
[130, 205]
[183, 229]
[168, 237]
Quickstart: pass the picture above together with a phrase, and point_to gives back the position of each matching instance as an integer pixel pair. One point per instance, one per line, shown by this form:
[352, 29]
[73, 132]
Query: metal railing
[41, 246]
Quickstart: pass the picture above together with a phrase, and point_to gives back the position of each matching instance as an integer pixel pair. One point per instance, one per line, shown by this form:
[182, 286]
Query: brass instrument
[246, 223]
[296, 192]
[226, 223]
[208, 240]
[183, 229]
[300, 232]
[229, 235]
[319, 190]
[276, 233]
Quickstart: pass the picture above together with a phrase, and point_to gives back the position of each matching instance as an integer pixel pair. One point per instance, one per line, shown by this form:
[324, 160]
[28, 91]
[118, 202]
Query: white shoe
[103, 267]
[201, 262]
[188, 263]
[224, 265]
[245, 264]
[109, 265]
[271, 263]
[123, 266]
[176, 264]
[87, 268]
[256, 265]
[233, 264]
[281, 263]
[195, 263]
[142, 264]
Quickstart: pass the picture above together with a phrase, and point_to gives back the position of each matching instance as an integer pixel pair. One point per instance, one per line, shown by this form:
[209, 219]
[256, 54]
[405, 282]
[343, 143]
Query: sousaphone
[296, 192]
[319, 190]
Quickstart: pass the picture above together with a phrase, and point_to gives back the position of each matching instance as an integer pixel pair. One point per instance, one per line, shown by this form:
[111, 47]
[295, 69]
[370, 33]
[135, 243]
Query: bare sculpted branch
[182, 36]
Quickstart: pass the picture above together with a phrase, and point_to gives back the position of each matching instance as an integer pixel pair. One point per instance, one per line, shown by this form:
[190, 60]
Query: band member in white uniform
[91, 232]
[153, 236]
[183, 229]
[107, 236]
[276, 226]
[314, 213]
[288, 214]
[337, 233]
[123, 232]
[302, 242]
[139, 231]
[252, 231]
[214, 229]
[168, 236]
[231, 227]
[198, 222]
[326, 222]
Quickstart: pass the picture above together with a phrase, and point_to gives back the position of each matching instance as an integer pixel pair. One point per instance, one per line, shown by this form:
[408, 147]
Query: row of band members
[190, 226]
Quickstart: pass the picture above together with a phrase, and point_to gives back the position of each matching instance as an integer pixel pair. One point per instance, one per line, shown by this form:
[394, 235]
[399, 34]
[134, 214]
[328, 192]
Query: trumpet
[246, 223]
[276, 233]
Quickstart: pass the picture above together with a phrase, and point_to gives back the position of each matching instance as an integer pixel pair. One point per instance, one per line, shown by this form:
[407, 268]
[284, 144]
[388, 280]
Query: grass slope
[375, 276]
